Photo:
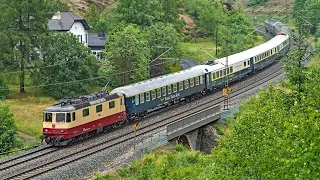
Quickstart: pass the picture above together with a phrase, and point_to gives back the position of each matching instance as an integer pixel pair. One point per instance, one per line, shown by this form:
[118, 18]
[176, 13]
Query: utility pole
[217, 31]
[226, 88]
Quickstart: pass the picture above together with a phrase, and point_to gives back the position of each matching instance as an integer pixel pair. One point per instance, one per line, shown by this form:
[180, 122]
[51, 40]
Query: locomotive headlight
[46, 130]
[62, 131]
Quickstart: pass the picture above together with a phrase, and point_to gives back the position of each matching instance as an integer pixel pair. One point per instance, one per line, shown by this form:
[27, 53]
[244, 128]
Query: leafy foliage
[7, 129]
[4, 90]
[22, 22]
[71, 62]
[126, 57]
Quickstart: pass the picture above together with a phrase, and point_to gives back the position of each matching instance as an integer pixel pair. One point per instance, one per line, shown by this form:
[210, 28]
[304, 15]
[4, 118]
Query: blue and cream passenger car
[145, 95]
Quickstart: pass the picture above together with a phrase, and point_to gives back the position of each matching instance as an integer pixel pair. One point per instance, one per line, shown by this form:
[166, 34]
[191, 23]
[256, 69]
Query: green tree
[7, 129]
[22, 22]
[93, 16]
[126, 56]
[71, 61]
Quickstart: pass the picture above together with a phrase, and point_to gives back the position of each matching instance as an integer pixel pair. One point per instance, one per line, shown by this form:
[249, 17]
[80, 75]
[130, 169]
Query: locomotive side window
[153, 92]
[60, 117]
[221, 73]
[147, 96]
[112, 104]
[175, 87]
[169, 89]
[180, 86]
[85, 112]
[244, 64]
[197, 79]
[47, 117]
[217, 73]
[136, 99]
[68, 117]
[191, 82]
[158, 93]
[141, 98]
[213, 77]
[186, 84]
[248, 63]
[73, 116]
[99, 108]
[164, 91]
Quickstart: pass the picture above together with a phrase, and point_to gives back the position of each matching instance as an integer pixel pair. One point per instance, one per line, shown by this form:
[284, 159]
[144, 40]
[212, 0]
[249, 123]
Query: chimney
[101, 35]
[58, 15]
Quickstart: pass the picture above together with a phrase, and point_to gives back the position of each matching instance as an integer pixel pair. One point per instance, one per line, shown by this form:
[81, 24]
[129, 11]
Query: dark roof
[94, 40]
[66, 22]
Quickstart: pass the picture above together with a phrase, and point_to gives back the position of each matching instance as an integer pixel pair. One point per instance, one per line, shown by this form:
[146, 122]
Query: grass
[193, 49]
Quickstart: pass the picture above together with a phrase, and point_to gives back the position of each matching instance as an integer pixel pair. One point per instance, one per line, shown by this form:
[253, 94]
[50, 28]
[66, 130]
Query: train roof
[247, 54]
[162, 81]
[68, 105]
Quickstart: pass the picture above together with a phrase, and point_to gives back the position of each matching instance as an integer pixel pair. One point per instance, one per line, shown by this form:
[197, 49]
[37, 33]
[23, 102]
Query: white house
[69, 22]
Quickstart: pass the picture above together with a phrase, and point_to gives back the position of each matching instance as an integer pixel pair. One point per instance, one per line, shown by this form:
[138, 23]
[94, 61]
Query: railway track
[31, 172]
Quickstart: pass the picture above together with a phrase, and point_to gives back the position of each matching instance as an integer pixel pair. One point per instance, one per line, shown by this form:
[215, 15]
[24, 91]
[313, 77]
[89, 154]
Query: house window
[191, 82]
[186, 84]
[141, 98]
[112, 104]
[153, 92]
[79, 38]
[147, 96]
[180, 86]
[85, 112]
[86, 38]
[164, 91]
[158, 93]
[175, 87]
[169, 89]
[99, 108]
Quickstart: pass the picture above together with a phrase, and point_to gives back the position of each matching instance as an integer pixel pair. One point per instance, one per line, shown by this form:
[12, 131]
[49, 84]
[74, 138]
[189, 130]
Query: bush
[256, 2]
[7, 129]
[4, 90]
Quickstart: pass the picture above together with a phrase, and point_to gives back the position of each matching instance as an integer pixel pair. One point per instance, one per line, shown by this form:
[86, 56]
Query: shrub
[7, 129]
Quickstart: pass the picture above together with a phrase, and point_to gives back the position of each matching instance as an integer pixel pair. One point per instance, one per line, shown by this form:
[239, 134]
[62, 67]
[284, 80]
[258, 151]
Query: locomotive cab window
[85, 112]
[68, 119]
[99, 108]
[153, 93]
[60, 117]
[47, 117]
[73, 116]
[112, 104]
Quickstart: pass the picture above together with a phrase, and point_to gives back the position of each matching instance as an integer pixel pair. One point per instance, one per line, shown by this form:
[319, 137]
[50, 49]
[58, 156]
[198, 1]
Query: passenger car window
[163, 91]
[148, 96]
[153, 92]
[141, 98]
[191, 82]
[169, 89]
[47, 117]
[217, 73]
[186, 84]
[175, 87]
[99, 108]
[197, 79]
[85, 112]
[158, 93]
[180, 86]
[231, 70]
